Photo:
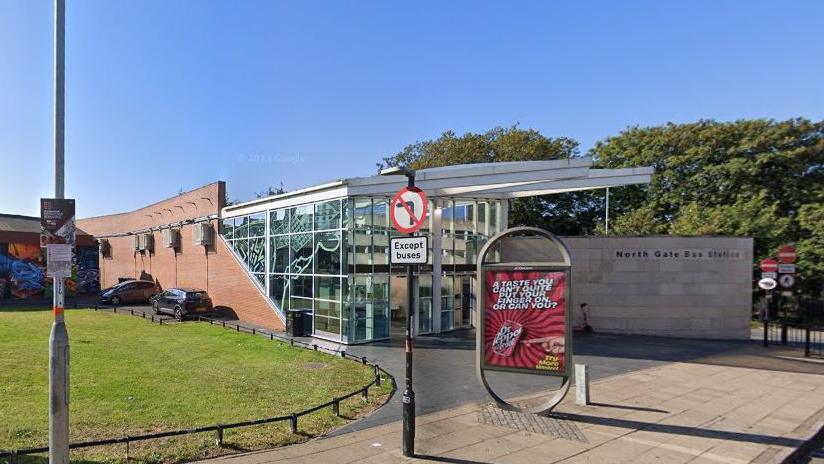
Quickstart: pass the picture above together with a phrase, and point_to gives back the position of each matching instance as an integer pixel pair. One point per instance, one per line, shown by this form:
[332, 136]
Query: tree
[559, 213]
[271, 190]
[758, 178]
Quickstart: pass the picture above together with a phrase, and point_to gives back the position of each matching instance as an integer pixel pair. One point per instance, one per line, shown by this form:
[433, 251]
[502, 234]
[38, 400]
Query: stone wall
[691, 287]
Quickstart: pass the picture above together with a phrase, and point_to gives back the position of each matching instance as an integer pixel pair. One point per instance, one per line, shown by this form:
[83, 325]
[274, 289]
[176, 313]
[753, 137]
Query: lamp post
[59, 337]
[408, 397]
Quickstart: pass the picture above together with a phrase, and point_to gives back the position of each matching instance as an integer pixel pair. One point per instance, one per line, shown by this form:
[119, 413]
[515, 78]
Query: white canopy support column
[437, 270]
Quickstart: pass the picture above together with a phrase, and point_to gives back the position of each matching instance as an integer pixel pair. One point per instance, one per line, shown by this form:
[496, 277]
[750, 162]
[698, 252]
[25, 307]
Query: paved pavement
[679, 412]
[444, 367]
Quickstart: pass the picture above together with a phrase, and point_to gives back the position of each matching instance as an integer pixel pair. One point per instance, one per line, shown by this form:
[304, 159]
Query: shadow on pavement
[683, 430]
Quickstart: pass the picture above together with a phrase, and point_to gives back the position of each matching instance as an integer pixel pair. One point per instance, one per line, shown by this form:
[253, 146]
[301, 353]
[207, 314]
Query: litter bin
[295, 323]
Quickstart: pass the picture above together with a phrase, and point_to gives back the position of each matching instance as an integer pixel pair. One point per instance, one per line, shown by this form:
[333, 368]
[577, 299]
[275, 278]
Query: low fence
[807, 337]
[218, 429]
[794, 322]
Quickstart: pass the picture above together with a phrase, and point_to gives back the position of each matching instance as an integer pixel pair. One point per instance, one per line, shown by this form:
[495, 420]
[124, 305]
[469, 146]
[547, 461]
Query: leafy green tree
[749, 177]
[563, 214]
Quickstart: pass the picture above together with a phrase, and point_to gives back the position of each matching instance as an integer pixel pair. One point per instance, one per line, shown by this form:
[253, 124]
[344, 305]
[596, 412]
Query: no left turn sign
[408, 209]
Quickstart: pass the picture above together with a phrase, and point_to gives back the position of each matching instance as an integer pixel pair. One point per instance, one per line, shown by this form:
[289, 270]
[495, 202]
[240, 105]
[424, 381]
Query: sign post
[408, 213]
[525, 323]
[51, 228]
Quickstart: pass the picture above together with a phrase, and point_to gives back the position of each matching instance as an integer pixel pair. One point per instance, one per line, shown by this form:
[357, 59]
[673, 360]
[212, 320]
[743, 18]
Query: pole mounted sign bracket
[525, 317]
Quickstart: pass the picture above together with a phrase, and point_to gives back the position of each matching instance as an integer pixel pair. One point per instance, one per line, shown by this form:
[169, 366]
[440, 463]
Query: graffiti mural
[23, 272]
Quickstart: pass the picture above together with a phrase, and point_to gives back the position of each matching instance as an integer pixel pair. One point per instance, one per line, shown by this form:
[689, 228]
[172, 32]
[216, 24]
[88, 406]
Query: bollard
[293, 423]
[336, 407]
[581, 384]
[224, 324]
[315, 347]
[237, 327]
[365, 393]
[271, 336]
[219, 436]
[253, 330]
[807, 342]
[144, 315]
[343, 354]
[115, 309]
[363, 360]
[377, 376]
[292, 341]
[161, 321]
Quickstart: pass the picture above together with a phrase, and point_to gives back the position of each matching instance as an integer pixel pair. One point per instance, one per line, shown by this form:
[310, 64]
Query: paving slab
[760, 420]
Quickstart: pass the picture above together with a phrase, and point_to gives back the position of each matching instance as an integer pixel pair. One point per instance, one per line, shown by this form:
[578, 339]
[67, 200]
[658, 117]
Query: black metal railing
[218, 429]
[800, 325]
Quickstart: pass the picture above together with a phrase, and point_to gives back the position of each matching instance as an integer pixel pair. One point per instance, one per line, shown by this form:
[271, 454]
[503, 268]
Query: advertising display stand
[525, 320]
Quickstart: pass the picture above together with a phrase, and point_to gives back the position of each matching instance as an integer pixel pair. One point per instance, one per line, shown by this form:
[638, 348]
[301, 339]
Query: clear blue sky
[163, 95]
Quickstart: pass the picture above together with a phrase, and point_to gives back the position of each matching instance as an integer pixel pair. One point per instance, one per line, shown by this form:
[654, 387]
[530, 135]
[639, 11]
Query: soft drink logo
[506, 338]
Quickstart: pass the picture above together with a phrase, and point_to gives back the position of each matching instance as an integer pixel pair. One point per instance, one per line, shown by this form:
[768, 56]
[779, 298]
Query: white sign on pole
[408, 250]
[767, 284]
[786, 268]
[786, 280]
[59, 260]
[769, 275]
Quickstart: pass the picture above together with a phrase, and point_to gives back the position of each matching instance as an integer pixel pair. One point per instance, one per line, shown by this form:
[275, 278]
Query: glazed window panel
[327, 253]
[256, 260]
[328, 288]
[301, 251]
[301, 286]
[242, 249]
[257, 225]
[241, 227]
[279, 222]
[280, 254]
[380, 215]
[301, 220]
[363, 213]
[327, 308]
[279, 291]
[327, 215]
[228, 228]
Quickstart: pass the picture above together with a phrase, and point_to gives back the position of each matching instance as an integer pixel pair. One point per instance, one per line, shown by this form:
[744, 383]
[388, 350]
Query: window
[327, 215]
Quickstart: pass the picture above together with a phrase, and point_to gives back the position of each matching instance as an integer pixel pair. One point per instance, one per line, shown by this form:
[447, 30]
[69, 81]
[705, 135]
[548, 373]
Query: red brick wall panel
[215, 270]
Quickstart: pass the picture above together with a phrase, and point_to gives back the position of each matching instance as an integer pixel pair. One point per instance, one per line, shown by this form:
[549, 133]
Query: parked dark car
[183, 303]
[130, 291]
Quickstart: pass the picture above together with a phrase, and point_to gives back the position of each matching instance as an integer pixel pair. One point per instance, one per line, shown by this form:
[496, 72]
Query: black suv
[183, 303]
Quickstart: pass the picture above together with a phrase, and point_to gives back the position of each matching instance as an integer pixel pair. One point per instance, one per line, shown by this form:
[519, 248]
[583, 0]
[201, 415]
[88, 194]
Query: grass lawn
[130, 376]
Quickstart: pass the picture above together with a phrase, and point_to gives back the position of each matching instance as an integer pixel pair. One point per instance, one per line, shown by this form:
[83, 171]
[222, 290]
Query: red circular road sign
[786, 254]
[769, 265]
[408, 209]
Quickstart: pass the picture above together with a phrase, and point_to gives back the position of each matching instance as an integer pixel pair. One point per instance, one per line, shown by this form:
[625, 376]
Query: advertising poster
[525, 321]
[56, 221]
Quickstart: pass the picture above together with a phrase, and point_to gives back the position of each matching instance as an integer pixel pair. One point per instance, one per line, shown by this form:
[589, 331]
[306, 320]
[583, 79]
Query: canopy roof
[479, 181]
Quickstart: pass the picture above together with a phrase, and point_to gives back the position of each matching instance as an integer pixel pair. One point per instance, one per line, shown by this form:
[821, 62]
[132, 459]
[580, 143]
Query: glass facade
[331, 258]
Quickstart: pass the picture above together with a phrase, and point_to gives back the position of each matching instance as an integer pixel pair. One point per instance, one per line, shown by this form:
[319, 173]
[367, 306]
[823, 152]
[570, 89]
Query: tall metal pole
[606, 215]
[59, 337]
[408, 393]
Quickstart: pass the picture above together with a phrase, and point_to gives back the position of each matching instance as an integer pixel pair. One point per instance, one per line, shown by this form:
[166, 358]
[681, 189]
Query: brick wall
[214, 269]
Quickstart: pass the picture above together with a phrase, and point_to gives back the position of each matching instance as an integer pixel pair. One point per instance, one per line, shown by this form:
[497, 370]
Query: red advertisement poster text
[525, 322]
